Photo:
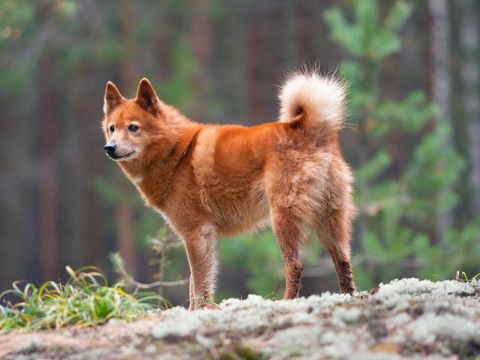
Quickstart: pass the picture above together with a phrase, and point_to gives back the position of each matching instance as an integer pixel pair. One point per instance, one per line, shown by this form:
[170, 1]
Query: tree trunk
[201, 42]
[306, 23]
[441, 89]
[123, 210]
[47, 192]
[469, 39]
[266, 58]
[90, 150]
[48, 124]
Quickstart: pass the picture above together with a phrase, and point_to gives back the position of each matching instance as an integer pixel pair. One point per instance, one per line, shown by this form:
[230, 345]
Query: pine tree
[400, 201]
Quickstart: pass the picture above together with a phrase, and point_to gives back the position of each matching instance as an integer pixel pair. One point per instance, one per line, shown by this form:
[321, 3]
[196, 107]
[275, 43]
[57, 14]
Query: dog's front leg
[191, 292]
[201, 251]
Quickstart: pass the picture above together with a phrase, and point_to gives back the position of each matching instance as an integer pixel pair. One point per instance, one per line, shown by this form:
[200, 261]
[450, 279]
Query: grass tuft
[462, 276]
[85, 299]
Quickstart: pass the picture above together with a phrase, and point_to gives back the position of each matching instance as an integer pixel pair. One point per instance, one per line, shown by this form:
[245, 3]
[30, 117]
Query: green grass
[85, 299]
[464, 277]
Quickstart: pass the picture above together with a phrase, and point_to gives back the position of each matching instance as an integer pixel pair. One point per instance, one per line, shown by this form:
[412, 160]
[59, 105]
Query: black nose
[110, 149]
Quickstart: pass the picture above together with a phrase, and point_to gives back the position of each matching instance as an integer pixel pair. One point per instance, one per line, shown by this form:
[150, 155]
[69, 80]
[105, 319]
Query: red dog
[209, 180]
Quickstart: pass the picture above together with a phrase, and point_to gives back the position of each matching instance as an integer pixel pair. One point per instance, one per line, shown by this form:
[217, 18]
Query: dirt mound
[404, 318]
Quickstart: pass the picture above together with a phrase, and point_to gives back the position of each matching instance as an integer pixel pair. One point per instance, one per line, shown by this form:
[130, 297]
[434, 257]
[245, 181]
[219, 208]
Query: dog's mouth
[121, 157]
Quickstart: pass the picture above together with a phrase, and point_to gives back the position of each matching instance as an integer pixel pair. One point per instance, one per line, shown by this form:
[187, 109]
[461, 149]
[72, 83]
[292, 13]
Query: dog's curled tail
[320, 99]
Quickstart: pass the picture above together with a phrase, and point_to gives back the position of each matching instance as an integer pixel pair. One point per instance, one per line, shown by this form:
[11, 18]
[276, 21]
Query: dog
[222, 180]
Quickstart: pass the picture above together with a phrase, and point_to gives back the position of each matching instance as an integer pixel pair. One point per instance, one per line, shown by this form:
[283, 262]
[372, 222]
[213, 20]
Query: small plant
[128, 280]
[85, 299]
[462, 276]
[162, 246]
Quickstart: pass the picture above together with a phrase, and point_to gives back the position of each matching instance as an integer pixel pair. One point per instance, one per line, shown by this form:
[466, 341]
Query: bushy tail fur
[321, 99]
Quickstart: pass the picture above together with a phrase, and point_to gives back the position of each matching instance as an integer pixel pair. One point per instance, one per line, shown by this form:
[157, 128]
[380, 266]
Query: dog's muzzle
[110, 149]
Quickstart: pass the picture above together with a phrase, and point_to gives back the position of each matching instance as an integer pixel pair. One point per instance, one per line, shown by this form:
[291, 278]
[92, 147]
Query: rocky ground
[406, 318]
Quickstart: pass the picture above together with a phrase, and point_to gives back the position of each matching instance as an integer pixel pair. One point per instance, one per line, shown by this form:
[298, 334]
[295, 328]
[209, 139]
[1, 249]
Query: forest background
[413, 134]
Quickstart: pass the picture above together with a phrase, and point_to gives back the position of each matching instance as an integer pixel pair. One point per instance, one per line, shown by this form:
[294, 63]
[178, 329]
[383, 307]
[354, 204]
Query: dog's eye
[111, 128]
[132, 128]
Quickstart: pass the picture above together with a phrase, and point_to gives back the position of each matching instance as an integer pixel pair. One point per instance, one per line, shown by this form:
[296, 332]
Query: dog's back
[242, 171]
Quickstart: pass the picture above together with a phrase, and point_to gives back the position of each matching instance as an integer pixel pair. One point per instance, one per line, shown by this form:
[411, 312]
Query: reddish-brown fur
[209, 181]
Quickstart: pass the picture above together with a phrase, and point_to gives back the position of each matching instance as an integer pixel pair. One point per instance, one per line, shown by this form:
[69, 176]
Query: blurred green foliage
[259, 255]
[393, 236]
[396, 214]
[400, 192]
[394, 240]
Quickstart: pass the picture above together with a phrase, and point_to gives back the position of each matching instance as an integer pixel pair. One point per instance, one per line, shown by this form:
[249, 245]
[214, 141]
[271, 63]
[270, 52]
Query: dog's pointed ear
[147, 98]
[112, 98]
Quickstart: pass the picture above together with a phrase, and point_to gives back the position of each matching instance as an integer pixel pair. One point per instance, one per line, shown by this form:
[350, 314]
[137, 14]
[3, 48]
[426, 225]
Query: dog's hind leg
[334, 232]
[288, 230]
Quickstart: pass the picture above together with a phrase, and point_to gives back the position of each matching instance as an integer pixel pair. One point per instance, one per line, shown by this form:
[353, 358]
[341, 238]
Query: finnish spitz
[221, 180]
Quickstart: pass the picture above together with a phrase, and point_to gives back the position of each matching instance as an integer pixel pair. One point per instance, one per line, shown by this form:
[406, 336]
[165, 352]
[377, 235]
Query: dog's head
[130, 125]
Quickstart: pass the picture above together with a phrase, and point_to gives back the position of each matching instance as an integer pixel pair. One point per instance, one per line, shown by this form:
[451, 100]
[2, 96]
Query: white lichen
[418, 313]
[431, 327]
